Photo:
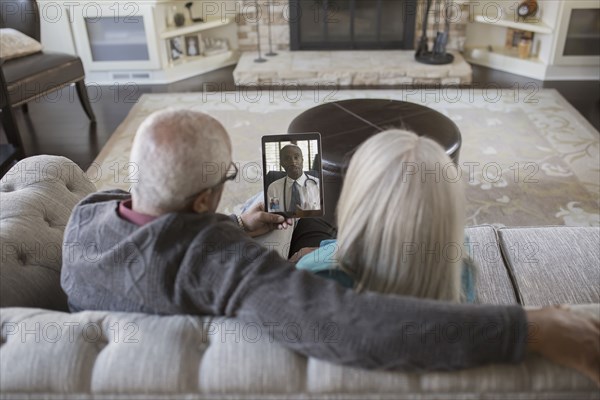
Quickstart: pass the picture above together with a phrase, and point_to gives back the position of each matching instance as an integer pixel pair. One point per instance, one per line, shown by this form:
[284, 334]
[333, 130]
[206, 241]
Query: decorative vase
[179, 19]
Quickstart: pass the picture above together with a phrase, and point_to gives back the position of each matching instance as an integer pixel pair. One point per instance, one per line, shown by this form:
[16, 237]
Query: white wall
[55, 27]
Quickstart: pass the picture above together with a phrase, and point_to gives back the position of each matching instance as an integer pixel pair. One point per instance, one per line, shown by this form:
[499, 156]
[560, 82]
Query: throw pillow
[15, 44]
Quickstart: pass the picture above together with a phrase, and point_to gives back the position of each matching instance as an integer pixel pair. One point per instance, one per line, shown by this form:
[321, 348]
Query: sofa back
[106, 355]
[36, 197]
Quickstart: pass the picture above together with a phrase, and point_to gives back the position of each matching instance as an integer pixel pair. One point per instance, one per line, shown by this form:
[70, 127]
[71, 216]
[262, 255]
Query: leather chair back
[3, 91]
[22, 15]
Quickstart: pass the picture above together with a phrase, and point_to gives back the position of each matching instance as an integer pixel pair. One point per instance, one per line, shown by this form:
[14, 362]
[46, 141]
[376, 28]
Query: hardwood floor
[58, 125]
[583, 95]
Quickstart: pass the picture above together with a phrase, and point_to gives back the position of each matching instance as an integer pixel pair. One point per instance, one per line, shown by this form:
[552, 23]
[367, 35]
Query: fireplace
[352, 24]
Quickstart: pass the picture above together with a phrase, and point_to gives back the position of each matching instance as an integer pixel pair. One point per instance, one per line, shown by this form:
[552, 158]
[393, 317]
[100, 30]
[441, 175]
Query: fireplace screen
[352, 24]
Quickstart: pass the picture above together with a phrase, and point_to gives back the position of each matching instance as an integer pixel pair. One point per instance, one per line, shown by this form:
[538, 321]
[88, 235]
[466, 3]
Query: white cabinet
[578, 39]
[128, 41]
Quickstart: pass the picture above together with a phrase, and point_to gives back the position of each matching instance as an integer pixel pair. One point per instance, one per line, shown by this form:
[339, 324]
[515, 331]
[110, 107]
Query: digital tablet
[292, 175]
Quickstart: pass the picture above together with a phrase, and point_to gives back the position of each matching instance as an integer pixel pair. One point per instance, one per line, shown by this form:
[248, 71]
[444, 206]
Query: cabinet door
[578, 40]
[113, 36]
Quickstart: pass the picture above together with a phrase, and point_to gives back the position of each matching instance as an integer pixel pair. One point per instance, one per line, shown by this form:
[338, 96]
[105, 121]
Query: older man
[164, 250]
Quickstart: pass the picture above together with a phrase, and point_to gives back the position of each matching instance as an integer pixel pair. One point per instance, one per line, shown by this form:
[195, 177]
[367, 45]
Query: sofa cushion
[235, 348]
[493, 283]
[102, 354]
[553, 265]
[37, 196]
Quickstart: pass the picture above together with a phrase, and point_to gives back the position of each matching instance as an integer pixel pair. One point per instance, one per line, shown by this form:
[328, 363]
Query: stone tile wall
[247, 25]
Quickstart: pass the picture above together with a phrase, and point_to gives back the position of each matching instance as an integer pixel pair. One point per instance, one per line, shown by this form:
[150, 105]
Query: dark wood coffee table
[344, 125]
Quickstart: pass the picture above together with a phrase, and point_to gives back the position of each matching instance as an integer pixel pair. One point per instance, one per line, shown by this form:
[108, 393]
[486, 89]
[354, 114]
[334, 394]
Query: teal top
[323, 262]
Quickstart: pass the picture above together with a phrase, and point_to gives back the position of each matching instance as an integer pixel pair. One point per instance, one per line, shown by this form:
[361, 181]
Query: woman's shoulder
[323, 262]
[323, 258]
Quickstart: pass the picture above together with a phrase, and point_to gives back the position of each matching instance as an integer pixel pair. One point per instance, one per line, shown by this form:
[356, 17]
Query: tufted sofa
[46, 352]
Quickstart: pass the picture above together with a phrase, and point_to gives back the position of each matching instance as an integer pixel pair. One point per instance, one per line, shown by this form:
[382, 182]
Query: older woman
[401, 222]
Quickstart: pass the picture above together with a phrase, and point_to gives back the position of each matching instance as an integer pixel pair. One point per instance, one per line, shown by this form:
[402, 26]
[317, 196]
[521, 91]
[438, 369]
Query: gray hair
[178, 153]
[401, 231]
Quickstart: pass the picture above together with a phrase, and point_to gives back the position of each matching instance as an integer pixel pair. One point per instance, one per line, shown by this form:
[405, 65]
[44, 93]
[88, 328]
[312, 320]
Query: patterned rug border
[580, 118]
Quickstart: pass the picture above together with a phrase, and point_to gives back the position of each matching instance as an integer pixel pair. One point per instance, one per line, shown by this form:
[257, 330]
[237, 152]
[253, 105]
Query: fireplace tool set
[271, 53]
[438, 55]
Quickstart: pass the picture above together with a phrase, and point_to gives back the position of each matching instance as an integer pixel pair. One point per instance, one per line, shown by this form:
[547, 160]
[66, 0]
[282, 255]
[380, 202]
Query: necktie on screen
[295, 196]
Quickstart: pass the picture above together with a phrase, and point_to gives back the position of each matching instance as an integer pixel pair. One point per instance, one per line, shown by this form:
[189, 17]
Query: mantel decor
[192, 18]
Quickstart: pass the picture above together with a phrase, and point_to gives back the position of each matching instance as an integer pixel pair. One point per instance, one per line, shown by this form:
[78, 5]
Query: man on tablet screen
[297, 191]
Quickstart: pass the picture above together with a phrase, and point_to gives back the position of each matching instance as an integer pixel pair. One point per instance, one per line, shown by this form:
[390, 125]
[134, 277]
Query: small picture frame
[514, 37]
[213, 46]
[176, 48]
[193, 45]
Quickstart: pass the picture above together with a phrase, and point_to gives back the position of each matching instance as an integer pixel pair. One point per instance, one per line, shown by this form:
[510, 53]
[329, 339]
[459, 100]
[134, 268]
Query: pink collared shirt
[128, 214]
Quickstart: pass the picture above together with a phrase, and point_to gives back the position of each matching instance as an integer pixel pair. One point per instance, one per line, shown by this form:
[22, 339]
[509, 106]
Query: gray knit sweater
[202, 264]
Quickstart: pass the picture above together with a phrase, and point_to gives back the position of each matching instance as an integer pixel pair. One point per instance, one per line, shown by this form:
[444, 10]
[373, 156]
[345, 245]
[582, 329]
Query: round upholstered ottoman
[344, 125]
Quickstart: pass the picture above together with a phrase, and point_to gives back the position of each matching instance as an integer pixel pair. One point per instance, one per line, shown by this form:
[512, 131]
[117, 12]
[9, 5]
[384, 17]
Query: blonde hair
[177, 153]
[401, 218]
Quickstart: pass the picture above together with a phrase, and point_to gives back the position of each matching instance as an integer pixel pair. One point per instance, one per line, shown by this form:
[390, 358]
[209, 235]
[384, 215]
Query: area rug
[528, 157]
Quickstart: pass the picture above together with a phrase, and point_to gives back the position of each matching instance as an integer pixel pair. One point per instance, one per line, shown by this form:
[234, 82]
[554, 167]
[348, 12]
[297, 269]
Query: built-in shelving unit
[182, 64]
[489, 34]
[507, 59]
[536, 26]
[500, 57]
[224, 29]
[197, 27]
[200, 65]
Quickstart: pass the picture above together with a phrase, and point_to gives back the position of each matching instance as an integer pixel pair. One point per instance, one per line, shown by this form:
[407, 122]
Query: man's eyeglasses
[230, 175]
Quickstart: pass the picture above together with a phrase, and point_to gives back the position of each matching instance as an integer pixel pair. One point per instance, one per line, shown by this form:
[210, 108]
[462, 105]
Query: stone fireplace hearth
[356, 68]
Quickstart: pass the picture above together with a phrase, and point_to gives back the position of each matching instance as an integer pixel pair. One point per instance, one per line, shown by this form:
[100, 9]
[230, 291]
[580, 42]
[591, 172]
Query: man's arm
[319, 318]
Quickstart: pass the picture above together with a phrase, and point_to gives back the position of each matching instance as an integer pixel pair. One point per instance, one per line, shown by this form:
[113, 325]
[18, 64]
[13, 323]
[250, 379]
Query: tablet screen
[292, 175]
